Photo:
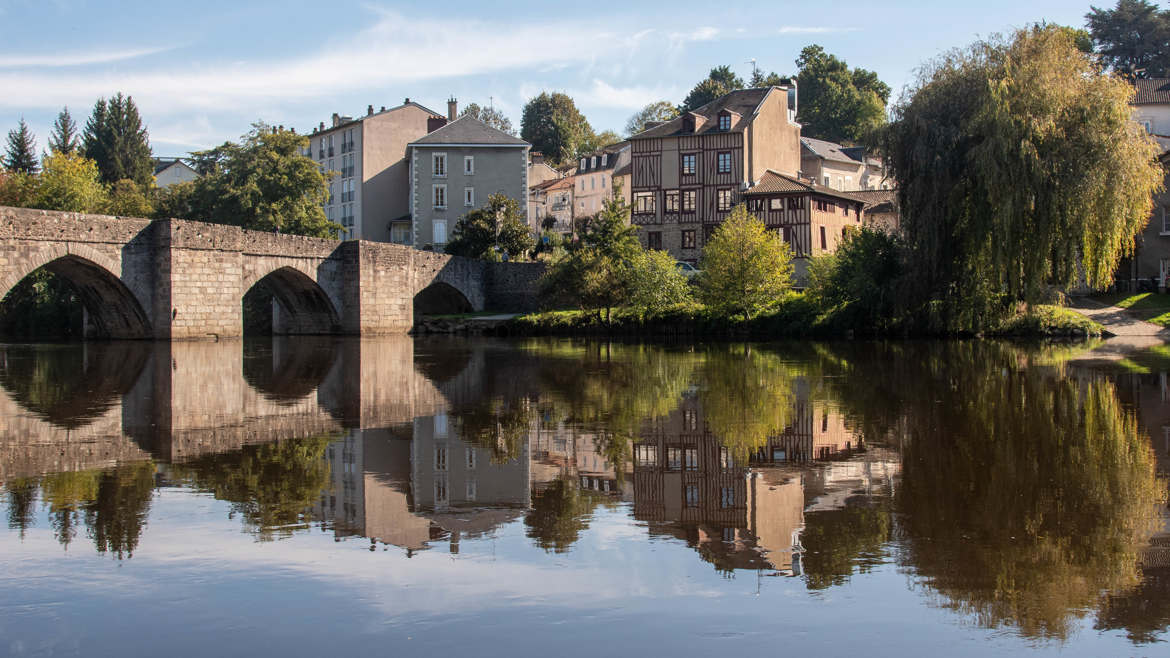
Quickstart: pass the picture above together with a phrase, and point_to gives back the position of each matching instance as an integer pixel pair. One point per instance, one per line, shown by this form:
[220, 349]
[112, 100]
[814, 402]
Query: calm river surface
[303, 497]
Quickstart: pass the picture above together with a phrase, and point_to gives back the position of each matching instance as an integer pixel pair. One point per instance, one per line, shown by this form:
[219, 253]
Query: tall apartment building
[369, 191]
[687, 174]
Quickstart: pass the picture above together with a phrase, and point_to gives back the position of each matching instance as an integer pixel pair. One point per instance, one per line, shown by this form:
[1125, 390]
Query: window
[470, 459]
[828, 181]
[440, 425]
[644, 203]
[440, 231]
[840, 183]
[469, 196]
[723, 162]
[795, 203]
[727, 497]
[654, 240]
[441, 490]
[331, 165]
[691, 455]
[672, 201]
[725, 459]
[788, 235]
[582, 187]
[593, 162]
[725, 121]
[439, 165]
[440, 458]
[604, 159]
[674, 459]
[471, 490]
[688, 239]
[824, 244]
[728, 535]
[1165, 220]
[582, 167]
[688, 200]
[469, 164]
[848, 183]
[440, 195]
[692, 495]
[723, 199]
[593, 182]
[646, 455]
[688, 164]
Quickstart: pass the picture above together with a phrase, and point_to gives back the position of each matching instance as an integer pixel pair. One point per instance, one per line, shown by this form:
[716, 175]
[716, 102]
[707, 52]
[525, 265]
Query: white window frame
[1165, 221]
[469, 165]
[469, 196]
[436, 225]
[439, 165]
[439, 190]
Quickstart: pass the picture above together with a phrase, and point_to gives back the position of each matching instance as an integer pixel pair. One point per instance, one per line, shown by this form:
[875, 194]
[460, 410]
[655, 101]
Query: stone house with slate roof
[812, 218]
[688, 173]
[168, 171]
[1151, 108]
[844, 168]
[454, 169]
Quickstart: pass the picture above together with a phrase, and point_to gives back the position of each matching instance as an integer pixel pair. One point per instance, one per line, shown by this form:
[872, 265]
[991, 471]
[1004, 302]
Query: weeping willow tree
[1017, 164]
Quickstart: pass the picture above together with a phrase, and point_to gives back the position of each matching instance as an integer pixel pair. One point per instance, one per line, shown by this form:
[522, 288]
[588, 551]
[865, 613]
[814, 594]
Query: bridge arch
[441, 298]
[114, 311]
[303, 306]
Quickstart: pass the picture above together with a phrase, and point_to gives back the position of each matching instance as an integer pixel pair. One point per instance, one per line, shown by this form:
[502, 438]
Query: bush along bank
[796, 316]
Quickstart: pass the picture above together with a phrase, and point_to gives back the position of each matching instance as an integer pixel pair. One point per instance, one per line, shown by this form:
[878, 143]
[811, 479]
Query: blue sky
[202, 72]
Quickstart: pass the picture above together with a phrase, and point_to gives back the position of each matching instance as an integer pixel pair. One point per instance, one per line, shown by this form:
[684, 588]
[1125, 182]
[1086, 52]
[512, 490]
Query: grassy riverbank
[795, 317]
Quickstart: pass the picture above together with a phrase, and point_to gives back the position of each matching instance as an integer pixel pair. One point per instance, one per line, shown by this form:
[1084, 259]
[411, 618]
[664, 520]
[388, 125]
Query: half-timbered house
[687, 174]
[812, 218]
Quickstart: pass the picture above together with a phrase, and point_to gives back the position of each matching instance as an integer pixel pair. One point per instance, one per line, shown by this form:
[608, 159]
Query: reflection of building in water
[689, 484]
[563, 450]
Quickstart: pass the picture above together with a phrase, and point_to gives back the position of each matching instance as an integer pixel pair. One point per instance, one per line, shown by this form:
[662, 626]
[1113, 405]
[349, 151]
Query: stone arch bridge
[179, 279]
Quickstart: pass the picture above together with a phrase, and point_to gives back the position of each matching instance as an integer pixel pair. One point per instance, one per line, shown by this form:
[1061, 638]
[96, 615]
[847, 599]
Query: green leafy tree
[982, 152]
[490, 116]
[656, 111]
[263, 183]
[559, 515]
[720, 81]
[655, 282]
[597, 142]
[117, 515]
[1133, 38]
[759, 79]
[859, 282]
[746, 268]
[72, 183]
[17, 189]
[838, 104]
[117, 141]
[555, 127]
[127, 199]
[20, 155]
[498, 227]
[64, 137]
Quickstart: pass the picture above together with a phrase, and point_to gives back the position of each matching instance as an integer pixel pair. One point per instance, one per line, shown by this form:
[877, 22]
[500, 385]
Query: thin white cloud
[59, 60]
[601, 94]
[812, 29]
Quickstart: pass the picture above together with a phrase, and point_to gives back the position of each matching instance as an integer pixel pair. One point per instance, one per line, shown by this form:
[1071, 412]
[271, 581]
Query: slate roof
[743, 102]
[469, 130]
[624, 170]
[1152, 91]
[773, 182]
[163, 163]
[832, 151]
[874, 198]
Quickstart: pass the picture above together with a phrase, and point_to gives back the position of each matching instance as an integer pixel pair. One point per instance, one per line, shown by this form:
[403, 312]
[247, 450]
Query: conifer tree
[21, 153]
[64, 139]
[116, 139]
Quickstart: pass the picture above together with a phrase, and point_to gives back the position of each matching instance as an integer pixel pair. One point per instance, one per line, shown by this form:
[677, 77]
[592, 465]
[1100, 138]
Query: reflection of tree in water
[839, 542]
[497, 425]
[70, 385]
[1023, 495]
[560, 514]
[272, 486]
[746, 396]
[113, 504]
[1144, 611]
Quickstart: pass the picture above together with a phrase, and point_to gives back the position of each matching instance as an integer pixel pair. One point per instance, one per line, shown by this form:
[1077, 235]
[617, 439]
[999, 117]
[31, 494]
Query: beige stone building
[366, 157]
[687, 174]
[453, 171]
[593, 180]
[843, 168]
[168, 171]
[552, 205]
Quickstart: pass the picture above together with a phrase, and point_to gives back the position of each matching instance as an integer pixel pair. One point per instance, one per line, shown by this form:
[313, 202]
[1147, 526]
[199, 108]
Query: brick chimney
[336, 119]
[537, 157]
[452, 108]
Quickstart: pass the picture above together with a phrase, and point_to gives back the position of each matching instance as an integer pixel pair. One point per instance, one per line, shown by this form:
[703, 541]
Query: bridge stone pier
[178, 279]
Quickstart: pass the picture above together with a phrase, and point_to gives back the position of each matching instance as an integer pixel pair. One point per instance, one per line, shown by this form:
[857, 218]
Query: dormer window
[725, 121]
[593, 162]
[582, 167]
[604, 159]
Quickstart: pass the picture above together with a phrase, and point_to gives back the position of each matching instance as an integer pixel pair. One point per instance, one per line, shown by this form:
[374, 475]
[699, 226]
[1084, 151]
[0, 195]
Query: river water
[580, 498]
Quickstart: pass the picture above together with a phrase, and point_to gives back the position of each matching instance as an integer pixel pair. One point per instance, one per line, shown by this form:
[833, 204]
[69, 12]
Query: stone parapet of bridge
[179, 279]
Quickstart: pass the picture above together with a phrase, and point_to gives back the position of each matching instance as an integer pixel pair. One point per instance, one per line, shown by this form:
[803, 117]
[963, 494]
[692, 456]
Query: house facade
[842, 168]
[552, 206]
[593, 180]
[812, 218]
[366, 159]
[1151, 108]
[687, 174]
[1150, 263]
[454, 169]
[168, 171]
[539, 173]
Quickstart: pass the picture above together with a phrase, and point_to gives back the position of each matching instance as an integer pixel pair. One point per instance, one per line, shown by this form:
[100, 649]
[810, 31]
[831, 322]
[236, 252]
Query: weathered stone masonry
[178, 279]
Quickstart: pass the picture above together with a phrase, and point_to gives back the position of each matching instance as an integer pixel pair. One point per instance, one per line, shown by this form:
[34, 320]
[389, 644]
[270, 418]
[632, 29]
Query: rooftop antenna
[755, 69]
[491, 102]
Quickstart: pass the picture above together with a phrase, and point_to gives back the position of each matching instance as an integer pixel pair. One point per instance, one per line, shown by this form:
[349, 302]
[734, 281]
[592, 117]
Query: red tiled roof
[773, 182]
[1152, 91]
